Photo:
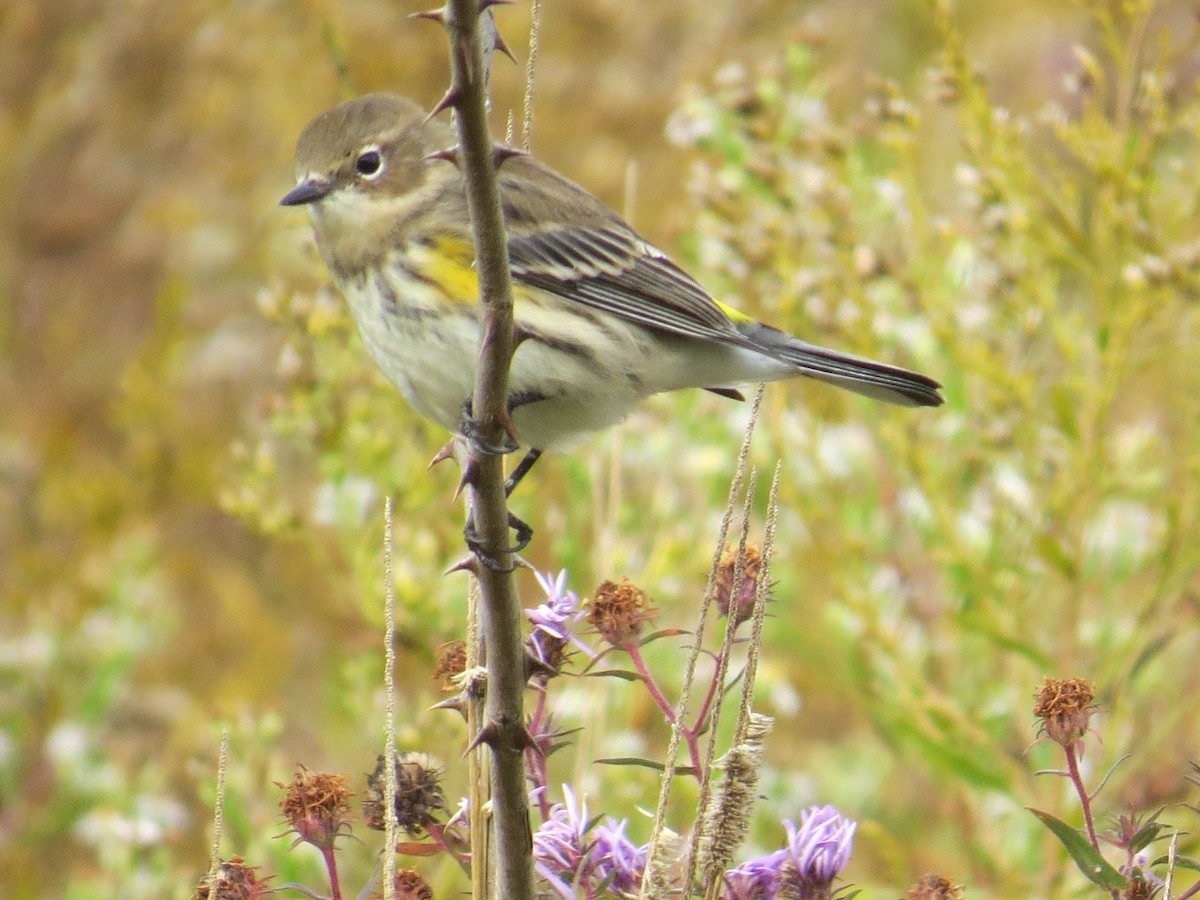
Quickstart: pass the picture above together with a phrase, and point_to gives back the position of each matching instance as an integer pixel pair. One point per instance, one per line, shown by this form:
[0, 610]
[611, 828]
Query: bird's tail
[863, 376]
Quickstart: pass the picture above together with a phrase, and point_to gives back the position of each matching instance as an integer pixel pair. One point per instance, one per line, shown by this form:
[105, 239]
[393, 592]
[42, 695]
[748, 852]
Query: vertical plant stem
[504, 730]
[654, 878]
[389, 719]
[1084, 800]
[214, 856]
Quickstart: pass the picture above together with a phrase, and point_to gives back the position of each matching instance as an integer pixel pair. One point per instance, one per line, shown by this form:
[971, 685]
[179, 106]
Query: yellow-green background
[193, 448]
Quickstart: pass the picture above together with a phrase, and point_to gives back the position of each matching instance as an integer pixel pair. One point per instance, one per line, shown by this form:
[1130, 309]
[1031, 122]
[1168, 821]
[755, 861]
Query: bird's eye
[369, 163]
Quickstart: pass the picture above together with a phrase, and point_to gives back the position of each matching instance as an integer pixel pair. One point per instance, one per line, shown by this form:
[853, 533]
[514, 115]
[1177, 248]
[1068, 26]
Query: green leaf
[1094, 866]
[643, 763]
[616, 673]
[1146, 835]
[1181, 862]
[662, 633]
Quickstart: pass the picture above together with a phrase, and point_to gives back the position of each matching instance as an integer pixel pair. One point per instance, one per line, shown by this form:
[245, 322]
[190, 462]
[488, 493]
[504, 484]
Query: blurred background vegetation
[194, 448]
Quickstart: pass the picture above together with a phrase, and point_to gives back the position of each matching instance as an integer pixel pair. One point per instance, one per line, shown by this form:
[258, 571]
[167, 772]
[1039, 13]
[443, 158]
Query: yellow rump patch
[736, 314]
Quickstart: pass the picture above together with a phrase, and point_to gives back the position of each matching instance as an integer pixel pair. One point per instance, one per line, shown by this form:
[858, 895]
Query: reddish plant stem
[1084, 800]
[660, 700]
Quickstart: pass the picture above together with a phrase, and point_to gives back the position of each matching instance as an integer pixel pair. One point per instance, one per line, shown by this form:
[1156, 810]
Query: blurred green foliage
[194, 449]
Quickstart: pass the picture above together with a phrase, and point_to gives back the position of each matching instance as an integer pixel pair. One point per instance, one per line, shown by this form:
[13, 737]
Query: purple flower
[619, 863]
[554, 622]
[561, 849]
[754, 879]
[816, 852]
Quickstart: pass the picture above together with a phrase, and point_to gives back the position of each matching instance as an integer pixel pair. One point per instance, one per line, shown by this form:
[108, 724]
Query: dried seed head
[732, 802]
[934, 887]
[451, 662]
[411, 886]
[1065, 707]
[315, 805]
[741, 607]
[234, 881]
[419, 800]
[619, 612]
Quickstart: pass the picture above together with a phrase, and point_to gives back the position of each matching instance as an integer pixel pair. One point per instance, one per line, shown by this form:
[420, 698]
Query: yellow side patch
[450, 263]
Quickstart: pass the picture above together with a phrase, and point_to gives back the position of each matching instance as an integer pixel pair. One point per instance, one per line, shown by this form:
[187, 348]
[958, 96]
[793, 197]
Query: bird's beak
[308, 191]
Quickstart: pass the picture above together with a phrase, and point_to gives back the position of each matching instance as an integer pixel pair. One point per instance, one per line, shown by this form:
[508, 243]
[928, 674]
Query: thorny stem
[500, 607]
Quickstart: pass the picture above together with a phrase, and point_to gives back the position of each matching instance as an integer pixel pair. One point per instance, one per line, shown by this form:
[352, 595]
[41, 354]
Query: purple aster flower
[561, 849]
[554, 622]
[619, 863]
[755, 879]
[816, 852]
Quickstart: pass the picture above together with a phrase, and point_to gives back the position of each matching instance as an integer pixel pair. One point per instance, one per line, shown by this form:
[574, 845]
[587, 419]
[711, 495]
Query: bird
[605, 319]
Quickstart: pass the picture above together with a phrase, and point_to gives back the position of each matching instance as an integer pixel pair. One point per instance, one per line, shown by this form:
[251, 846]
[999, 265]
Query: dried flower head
[619, 612]
[234, 881]
[451, 662]
[741, 607]
[1065, 707]
[419, 800]
[1142, 886]
[411, 886]
[934, 887]
[315, 805]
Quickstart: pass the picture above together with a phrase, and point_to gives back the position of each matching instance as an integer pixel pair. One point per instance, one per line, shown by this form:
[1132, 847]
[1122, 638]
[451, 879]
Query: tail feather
[853, 373]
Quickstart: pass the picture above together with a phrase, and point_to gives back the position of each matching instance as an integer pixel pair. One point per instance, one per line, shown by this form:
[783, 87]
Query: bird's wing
[565, 241]
[616, 272]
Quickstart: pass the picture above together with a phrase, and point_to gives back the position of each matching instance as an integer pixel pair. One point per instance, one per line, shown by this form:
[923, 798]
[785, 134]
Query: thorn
[450, 154]
[499, 44]
[458, 703]
[526, 741]
[501, 152]
[467, 564]
[449, 99]
[470, 474]
[447, 452]
[433, 15]
[487, 735]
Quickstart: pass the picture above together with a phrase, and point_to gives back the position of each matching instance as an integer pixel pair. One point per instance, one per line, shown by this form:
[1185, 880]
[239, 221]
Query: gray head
[373, 144]
[359, 166]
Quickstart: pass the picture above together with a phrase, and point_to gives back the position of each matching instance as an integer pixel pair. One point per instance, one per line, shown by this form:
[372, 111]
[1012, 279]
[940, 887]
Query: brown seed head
[234, 881]
[619, 611]
[411, 886]
[315, 805]
[419, 799]
[451, 662]
[1065, 706]
[934, 887]
[741, 607]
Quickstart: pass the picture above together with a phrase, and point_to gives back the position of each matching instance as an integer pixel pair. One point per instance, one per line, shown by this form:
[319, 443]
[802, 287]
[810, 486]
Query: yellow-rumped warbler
[606, 318]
